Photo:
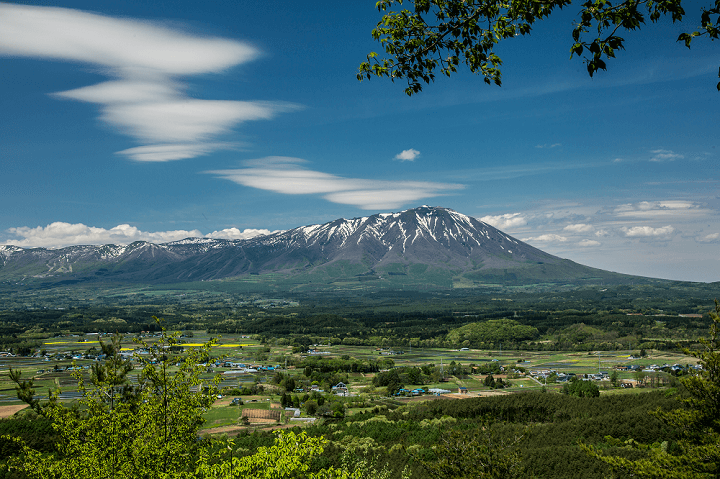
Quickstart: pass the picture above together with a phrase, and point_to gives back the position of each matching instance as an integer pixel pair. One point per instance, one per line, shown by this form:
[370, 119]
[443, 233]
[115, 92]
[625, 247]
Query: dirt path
[223, 402]
[235, 430]
[7, 411]
[492, 393]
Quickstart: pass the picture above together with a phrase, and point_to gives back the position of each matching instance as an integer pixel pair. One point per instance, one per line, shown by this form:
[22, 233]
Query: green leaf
[468, 31]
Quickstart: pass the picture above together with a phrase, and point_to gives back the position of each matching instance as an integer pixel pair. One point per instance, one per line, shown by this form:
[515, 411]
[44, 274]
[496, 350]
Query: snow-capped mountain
[421, 235]
[418, 243]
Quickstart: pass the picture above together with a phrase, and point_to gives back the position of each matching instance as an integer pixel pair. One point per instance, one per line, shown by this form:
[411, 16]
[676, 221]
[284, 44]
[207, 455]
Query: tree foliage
[697, 453]
[479, 452]
[121, 431]
[441, 34]
[580, 388]
[492, 331]
[151, 431]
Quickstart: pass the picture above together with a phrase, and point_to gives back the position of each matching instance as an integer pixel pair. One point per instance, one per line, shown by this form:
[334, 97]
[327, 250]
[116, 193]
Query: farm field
[383, 396]
[243, 363]
[387, 376]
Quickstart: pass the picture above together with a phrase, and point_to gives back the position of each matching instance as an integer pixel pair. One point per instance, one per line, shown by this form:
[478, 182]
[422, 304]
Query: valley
[267, 384]
[396, 340]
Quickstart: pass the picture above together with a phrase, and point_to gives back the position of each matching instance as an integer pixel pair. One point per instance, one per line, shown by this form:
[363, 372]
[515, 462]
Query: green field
[238, 349]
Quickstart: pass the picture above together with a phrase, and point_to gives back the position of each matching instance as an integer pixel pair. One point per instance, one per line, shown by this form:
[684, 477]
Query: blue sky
[127, 121]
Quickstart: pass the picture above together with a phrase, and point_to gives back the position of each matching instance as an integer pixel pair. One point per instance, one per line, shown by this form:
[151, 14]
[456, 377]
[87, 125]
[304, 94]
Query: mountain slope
[421, 246]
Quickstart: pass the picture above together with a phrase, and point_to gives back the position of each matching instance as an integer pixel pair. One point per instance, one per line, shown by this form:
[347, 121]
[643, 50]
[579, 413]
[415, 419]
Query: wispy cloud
[683, 182]
[59, 234]
[506, 171]
[290, 177]
[588, 243]
[710, 238]
[660, 156]
[578, 228]
[655, 209]
[506, 221]
[547, 238]
[554, 145]
[177, 151]
[144, 100]
[647, 231]
[236, 234]
[407, 155]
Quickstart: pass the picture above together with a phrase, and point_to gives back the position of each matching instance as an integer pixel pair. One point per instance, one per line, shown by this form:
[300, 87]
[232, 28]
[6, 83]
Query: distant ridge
[420, 247]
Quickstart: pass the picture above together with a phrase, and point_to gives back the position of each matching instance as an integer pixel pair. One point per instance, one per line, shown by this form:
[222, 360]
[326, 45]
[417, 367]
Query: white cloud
[578, 228]
[394, 196]
[288, 176]
[59, 234]
[554, 145]
[66, 34]
[654, 209]
[647, 231]
[506, 221]
[144, 100]
[689, 252]
[660, 156]
[711, 238]
[407, 155]
[234, 233]
[547, 238]
[176, 151]
[119, 92]
[183, 120]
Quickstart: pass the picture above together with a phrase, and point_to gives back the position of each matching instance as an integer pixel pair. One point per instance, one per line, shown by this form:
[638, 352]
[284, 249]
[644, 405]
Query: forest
[170, 389]
[585, 319]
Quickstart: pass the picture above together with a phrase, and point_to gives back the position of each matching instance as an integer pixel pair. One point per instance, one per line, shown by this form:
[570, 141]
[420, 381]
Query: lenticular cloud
[144, 100]
[289, 176]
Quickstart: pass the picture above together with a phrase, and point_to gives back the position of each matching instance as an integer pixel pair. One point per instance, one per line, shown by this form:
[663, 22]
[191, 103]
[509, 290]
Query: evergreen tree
[697, 453]
[154, 432]
[581, 388]
[479, 452]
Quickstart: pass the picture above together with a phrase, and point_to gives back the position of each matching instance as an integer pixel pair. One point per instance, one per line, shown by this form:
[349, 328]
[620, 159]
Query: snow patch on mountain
[433, 236]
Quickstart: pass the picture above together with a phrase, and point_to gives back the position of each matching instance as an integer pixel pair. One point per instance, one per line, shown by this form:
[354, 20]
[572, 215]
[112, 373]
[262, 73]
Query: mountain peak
[427, 245]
